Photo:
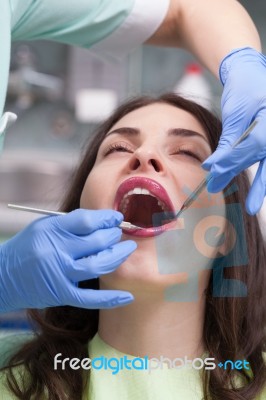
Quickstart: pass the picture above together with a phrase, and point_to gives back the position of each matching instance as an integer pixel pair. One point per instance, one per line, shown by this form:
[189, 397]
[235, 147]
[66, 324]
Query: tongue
[141, 209]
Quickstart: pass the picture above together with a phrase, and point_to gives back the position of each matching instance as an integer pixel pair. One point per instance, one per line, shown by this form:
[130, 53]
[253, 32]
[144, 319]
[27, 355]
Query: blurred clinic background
[60, 93]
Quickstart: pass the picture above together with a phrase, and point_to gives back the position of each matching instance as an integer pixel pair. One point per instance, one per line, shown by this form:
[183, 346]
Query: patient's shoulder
[11, 343]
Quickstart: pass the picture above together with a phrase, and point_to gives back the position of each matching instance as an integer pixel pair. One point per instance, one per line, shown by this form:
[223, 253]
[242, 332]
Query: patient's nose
[146, 160]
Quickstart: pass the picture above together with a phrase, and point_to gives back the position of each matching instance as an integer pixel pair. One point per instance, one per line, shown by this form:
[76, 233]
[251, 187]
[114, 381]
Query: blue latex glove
[41, 265]
[243, 74]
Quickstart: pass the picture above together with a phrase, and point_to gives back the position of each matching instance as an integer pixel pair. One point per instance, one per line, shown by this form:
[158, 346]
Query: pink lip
[157, 190]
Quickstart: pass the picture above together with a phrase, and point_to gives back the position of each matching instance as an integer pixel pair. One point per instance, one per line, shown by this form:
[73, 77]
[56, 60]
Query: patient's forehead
[159, 116]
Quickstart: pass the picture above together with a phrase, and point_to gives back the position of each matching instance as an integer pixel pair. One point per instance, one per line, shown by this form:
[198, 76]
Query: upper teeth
[125, 200]
[139, 191]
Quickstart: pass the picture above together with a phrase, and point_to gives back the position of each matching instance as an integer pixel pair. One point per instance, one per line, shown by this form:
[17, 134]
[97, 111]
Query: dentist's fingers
[229, 162]
[102, 263]
[257, 191]
[218, 184]
[99, 299]
[84, 246]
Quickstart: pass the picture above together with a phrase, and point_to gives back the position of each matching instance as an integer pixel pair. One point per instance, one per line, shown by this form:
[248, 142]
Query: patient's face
[147, 164]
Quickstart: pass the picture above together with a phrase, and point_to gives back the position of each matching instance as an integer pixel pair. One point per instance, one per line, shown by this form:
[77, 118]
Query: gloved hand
[5, 122]
[243, 74]
[41, 265]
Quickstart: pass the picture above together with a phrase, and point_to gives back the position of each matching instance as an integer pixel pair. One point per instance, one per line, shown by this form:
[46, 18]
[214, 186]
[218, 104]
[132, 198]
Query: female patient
[198, 282]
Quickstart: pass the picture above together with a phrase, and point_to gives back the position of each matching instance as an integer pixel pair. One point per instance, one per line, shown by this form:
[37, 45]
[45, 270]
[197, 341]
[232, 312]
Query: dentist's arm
[209, 29]
[41, 265]
[223, 37]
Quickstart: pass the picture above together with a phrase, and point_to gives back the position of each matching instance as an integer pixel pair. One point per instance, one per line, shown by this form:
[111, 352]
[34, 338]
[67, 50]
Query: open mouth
[145, 203]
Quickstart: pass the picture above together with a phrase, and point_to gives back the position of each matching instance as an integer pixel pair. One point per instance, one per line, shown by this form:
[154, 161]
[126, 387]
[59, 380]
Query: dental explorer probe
[124, 224]
[206, 180]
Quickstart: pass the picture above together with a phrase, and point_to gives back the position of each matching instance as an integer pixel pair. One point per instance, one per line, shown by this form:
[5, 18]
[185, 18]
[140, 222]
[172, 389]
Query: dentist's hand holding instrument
[243, 74]
[41, 265]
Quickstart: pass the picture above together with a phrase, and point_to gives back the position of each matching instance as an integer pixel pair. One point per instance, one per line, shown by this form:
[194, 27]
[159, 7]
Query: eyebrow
[171, 132]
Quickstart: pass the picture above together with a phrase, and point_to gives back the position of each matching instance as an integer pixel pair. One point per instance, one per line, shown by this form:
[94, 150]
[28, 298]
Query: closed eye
[119, 147]
[188, 153]
[124, 147]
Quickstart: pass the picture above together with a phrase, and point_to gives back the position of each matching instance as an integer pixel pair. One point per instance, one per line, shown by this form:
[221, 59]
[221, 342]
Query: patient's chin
[141, 280]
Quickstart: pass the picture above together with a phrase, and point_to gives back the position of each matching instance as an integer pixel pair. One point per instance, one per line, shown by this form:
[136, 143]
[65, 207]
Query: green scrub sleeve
[108, 27]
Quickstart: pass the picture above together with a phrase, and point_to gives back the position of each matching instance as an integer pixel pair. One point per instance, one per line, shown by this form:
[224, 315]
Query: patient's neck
[154, 327]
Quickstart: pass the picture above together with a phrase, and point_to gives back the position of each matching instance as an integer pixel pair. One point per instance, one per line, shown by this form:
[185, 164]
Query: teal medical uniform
[109, 27]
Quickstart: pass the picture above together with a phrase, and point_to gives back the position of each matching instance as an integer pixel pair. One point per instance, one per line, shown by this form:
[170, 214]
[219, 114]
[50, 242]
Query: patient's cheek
[94, 194]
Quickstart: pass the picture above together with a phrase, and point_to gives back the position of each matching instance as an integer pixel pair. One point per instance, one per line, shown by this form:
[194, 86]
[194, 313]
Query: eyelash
[125, 148]
[117, 147]
[187, 152]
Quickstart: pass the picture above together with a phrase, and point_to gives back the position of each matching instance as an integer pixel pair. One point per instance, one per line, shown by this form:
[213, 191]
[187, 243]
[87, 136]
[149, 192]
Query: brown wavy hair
[234, 326]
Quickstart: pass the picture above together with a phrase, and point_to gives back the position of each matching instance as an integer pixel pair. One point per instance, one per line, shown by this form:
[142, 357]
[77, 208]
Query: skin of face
[155, 154]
